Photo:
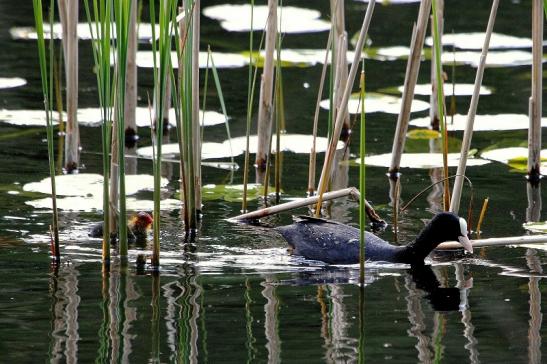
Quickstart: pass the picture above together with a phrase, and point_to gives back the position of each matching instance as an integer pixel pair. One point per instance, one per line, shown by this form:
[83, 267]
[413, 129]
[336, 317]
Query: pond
[237, 295]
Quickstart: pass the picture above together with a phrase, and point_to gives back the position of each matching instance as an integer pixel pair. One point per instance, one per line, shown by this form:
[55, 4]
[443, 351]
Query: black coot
[336, 243]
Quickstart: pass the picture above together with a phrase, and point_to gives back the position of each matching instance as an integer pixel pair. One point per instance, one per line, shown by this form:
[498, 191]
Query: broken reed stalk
[250, 92]
[340, 63]
[265, 106]
[99, 28]
[440, 98]
[308, 201]
[504, 241]
[535, 101]
[329, 156]
[468, 134]
[313, 154]
[68, 13]
[362, 212]
[411, 77]
[481, 217]
[47, 92]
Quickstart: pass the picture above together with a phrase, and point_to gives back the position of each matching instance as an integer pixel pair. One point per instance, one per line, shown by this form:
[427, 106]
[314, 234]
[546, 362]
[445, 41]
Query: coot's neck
[427, 240]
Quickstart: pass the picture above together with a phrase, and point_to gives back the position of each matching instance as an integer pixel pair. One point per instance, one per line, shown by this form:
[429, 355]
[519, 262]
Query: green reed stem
[250, 93]
[122, 12]
[440, 99]
[47, 92]
[99, 28]
[362, 212]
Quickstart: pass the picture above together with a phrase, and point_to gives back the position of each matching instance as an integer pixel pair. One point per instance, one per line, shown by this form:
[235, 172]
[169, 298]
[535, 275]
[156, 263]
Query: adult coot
[336, 243]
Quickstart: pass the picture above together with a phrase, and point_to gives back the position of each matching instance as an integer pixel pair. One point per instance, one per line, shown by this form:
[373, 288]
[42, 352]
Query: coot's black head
[445, 226]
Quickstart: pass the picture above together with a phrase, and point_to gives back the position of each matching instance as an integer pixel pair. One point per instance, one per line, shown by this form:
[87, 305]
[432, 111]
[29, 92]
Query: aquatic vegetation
[458, 89]
[145, 59]
[236, 18]
[376, 102]
[475, 40]
[421, 160]
[496, 122]
[12, 82]
[514, 157]
[233, 192]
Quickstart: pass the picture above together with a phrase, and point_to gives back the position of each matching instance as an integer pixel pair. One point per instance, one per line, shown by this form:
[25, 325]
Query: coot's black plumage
[336, 243]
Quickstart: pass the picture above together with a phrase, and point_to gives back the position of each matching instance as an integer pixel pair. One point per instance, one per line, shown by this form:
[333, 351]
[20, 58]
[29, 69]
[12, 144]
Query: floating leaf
[421, 160]
[376, 102]
[237, 18]
[536, 227]
[515, 157]
[494, 59]
[426, 134]
[295, 143]
[460, 89]
[475, 40]
[29, 33]
[12, 82]
[388, 53]
[232, 193]
[483, 122]
[95, 203]
[90, 185]
[145, 59]
[92, 117]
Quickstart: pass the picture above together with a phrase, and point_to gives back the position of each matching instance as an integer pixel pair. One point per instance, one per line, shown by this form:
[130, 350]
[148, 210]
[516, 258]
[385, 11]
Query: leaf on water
[95, 203]
[29, 33]
[515, 157]
[295, 143]
[421, 160]
[536, 227]
[92, 117]
[376, 102]
[475, 40]
[145, 59]
[483, 122]
[511, 58]
[460, 89]
[423, 134]
[237, 18]
[12, 82]
[90, 185]
[232, 193]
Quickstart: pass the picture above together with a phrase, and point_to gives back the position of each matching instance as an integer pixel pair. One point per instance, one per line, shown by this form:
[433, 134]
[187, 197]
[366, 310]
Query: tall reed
[362, 207]
[162, 75]
[440, 102]
[47, 91]
[100, 26]
[122, 16]
[250, 93]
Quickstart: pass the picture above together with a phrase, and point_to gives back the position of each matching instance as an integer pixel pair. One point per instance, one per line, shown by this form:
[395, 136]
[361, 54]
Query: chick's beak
[464, 240]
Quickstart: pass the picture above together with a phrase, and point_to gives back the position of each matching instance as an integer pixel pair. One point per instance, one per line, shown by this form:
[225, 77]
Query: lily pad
[475, 40]
[515, 157]
[145, 59]
[484, 122]
[376, 102]
[92, 117]
[29, 33]
[232, 193]
[12, 82]
[423, 134]
[95, 203]
[536, 227]
[420, 160]
[237, 18]
[460, 89]
[296, 143]
[511, 58]
[90, 185]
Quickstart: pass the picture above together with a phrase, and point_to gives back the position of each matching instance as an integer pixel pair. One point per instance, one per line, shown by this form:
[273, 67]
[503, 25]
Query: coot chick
[336, 243]
[137, 228]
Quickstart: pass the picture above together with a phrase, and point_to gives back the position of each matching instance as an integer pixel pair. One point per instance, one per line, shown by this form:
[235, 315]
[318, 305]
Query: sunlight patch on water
[475, 40]
[420, 160]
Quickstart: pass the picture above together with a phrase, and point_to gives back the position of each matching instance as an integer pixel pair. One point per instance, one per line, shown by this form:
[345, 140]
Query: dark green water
[240, 297]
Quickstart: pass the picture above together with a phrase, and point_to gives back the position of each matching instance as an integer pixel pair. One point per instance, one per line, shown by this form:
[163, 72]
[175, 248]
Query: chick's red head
[143, 220]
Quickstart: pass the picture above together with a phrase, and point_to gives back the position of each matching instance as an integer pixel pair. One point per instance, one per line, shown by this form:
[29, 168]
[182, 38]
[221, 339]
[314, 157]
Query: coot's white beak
[464, 240]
